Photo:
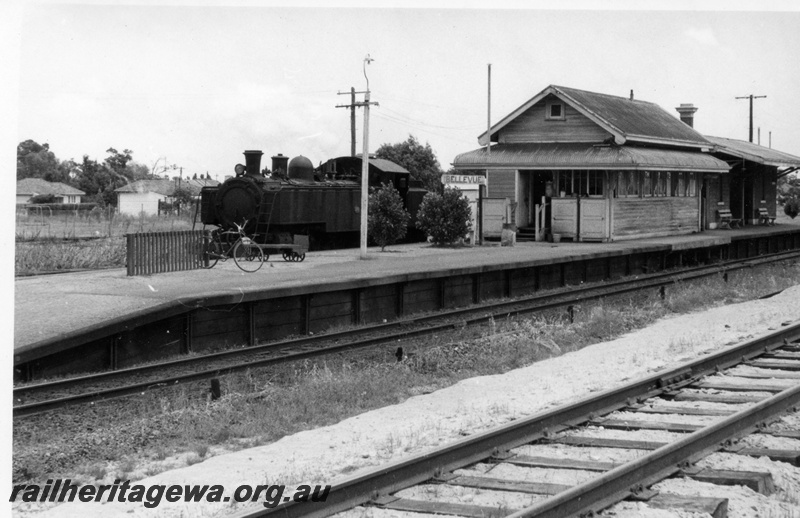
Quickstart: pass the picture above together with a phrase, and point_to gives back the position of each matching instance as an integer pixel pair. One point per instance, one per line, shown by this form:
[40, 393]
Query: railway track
[35, 398]
[743, 389]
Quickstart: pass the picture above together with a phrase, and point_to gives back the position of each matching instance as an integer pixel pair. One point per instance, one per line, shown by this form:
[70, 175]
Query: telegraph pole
[751, 97]
[352, 107]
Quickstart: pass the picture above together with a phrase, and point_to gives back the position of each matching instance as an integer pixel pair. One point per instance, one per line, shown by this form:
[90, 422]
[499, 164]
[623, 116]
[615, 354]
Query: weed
[96, 471]
[193, 458]
[201, 450]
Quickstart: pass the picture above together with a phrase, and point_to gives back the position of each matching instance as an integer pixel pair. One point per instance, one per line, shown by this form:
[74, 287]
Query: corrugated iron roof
[33, 186]
[387, 166]
[754, 152]
[626, 119]
[588, 156]
[636, 119]
[382, 164]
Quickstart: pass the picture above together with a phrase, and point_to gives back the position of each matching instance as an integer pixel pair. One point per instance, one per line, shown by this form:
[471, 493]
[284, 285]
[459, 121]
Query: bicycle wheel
[248, 256]
[208, 253]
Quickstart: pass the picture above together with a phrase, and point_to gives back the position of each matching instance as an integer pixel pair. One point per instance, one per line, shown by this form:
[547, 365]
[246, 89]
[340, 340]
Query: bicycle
[246, 253]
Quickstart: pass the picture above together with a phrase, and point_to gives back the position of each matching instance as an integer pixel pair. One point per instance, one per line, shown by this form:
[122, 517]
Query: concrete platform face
[52, 306]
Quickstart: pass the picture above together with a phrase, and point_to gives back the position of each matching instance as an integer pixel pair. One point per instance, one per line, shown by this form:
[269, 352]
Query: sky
[193, 86]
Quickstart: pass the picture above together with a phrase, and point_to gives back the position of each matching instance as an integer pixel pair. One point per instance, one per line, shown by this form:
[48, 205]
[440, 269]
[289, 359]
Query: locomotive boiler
[295, 201]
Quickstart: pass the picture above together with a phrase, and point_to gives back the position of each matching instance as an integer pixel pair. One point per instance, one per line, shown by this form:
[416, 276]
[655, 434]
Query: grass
[93, 224]
[262, 405]
[56, 242]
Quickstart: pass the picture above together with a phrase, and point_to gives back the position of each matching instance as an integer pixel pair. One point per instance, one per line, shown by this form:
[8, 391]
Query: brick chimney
[687, 113]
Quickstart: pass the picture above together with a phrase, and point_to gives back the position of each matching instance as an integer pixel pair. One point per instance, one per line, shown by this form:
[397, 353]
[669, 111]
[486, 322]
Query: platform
[54, 310]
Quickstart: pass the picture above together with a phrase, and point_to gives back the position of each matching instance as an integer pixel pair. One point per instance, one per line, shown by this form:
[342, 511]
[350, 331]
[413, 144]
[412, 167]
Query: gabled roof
[34, 186]
[588, 156]
[626, 119]
[754, 152]
[165, 187]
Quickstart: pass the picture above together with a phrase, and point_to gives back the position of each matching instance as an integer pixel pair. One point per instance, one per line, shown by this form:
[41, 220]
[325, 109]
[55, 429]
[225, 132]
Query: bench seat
[764, 217]
[726, 219]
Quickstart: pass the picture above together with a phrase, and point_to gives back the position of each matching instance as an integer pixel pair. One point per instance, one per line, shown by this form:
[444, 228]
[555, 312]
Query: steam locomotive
[296, 201]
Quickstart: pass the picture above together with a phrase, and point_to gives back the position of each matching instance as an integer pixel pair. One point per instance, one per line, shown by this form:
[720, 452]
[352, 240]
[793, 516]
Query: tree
[445, 217]
[789, 194]
[792, 207]
[388, 220]
[420, 161]
[35, 160]
[43, 198]
[98, 181]
[117, 161]
[182, 196]
[136, 171]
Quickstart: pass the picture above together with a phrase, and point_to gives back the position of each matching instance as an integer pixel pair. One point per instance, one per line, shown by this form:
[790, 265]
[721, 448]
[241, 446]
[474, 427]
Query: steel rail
[359, 490]
[623, 481]
[502, 309]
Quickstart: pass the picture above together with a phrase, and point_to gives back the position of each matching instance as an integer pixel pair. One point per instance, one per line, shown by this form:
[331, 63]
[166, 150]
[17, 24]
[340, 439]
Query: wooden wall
[503, 184]
[640, 217]
[531, 126]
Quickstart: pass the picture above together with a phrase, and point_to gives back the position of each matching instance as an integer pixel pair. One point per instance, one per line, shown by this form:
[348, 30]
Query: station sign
[458, 178]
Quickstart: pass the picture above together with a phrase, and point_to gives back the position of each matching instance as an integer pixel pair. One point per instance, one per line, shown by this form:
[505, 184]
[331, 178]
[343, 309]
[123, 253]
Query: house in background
[27, 188]
[608, 167]
[144, 196]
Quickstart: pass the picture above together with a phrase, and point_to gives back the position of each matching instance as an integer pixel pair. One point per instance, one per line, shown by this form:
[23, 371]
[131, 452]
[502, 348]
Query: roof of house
[588, 156]
[626, 119]
[34, 186]
[754, 152]
[165, 187]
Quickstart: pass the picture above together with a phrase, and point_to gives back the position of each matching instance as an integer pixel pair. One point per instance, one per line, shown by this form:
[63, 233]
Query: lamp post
[365, 166]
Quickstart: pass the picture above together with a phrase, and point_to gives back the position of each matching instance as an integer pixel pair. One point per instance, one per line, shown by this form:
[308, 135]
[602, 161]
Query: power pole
[751, 97]
[352, 107]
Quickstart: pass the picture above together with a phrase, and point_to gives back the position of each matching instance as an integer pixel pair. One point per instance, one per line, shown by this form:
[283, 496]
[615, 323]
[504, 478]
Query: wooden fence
[159, 252]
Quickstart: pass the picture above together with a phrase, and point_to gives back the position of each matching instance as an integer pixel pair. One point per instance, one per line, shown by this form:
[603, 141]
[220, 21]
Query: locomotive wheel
[209, 250]
[248, 257]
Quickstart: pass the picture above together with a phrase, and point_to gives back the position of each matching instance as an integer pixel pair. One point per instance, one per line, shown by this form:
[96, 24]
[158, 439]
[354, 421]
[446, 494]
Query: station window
[647, 184]
[632, 184]
[555, 111]
[691, 184]
[677, 184]
[594, 183]
[660, 182]
[565, 183]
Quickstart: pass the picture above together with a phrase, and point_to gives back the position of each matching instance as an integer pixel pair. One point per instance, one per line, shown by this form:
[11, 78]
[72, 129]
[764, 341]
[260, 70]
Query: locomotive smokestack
[252, 160]
[280, 164]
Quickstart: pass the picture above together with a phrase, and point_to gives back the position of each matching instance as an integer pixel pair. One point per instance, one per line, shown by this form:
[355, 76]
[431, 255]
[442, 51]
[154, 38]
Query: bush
[445, 217]
[388, 220]
[43, 198]
[792, 207]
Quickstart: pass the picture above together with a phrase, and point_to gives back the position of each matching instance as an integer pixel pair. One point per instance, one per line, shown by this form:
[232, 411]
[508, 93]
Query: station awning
[588, 156]
[754, 152]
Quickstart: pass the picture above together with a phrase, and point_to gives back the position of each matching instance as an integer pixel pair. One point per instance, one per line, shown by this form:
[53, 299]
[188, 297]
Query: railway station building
[599, 167]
